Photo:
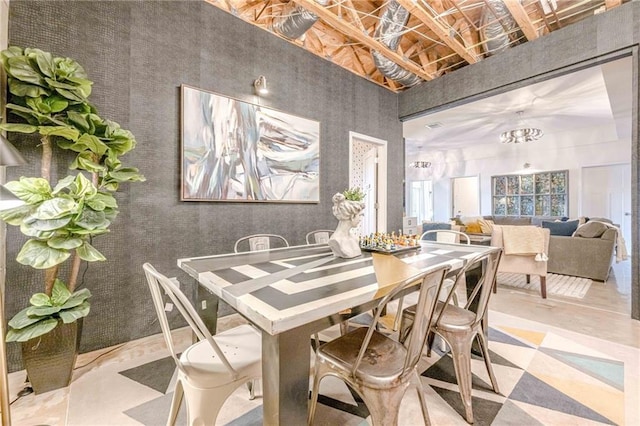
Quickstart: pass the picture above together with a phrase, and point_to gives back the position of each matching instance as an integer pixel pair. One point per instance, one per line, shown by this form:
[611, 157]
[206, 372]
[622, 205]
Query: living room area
[573, 169]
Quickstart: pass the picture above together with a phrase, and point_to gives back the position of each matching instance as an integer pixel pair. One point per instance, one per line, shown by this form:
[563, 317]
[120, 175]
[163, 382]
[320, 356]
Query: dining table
[291, 293]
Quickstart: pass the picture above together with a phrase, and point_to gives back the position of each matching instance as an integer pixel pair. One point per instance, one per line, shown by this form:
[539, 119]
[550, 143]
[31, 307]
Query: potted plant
[347, 208]
[51, 96]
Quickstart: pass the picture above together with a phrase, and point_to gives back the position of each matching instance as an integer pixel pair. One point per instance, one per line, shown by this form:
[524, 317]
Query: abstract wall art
[238, 151]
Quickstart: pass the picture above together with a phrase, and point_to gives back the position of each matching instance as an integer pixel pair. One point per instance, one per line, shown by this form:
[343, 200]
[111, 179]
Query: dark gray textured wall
[138, 53]
[586, 43]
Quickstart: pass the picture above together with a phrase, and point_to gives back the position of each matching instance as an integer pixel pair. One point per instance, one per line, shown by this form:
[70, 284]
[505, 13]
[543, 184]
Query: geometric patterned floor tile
[157, 374]
[443, 371]
[498, 336]
[511, 414]
[484, 410]
[535, 392]
[608, 371]
[156, 411]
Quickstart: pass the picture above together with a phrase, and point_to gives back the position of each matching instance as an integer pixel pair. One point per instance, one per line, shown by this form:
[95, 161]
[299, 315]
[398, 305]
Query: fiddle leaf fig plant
[49, 95]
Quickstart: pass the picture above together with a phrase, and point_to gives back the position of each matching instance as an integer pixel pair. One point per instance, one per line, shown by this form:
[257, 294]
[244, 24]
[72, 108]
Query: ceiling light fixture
[261, 85]
[420, 164]
[522, 134]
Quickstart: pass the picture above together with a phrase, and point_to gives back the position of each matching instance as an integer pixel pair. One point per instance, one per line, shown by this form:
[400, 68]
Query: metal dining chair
[379, 368]
[319, 236]
[211, 369]
[459, 326]
[258, 242]
[439, 236]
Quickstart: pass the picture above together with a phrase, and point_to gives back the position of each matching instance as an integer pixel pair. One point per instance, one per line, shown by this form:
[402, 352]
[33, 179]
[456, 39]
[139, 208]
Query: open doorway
[368, 170]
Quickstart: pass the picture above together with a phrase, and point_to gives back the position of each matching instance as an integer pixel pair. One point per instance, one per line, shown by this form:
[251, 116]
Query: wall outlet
[168, 307]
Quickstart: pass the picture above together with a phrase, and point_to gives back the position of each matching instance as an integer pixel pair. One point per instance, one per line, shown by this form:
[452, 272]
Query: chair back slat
[425, 307]
[446, 236]
[430, 283]
[319, 236]
[257, 242]
[156, 282]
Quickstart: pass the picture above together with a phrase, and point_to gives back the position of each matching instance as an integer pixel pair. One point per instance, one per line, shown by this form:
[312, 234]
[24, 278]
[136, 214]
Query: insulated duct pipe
[393, 20]
[495, 35]
[297, 22]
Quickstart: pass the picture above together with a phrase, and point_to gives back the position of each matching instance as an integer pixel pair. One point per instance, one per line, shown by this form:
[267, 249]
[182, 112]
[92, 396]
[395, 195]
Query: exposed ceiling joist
[352, 32]
[444, 34]
[522, 19]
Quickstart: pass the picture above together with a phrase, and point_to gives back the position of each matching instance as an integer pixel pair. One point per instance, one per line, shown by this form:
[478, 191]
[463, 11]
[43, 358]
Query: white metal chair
[212, 369]
[259, 242]
[458, 326]
[379, 368]
[319, 236]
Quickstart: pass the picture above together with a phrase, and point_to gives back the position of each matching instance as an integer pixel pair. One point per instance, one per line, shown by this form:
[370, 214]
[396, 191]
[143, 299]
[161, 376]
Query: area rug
[559, 285]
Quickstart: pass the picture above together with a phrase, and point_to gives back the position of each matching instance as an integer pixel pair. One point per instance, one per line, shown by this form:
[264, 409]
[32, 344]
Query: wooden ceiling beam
[441, 32]
[354, 14]
[352, 32]
[522, 19]
[610, 4]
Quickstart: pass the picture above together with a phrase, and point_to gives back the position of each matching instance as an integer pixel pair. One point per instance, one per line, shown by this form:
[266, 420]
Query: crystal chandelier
[522, 133]
[420, 164]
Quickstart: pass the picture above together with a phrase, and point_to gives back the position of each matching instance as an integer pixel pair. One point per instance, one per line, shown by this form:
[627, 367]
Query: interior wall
[595, 40]
[138, 53]
[552, 152]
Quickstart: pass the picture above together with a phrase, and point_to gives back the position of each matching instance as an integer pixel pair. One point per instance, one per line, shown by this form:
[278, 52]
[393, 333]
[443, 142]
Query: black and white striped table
[291, 293]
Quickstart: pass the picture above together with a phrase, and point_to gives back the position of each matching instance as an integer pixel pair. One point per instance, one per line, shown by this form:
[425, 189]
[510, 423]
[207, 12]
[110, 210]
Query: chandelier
[522, 133]
[421, 164]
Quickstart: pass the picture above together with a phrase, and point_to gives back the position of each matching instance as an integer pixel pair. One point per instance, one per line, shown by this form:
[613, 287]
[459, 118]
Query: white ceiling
[597, 96]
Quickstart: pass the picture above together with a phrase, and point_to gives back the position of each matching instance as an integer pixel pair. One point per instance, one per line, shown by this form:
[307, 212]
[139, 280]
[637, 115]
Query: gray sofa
[576, 256]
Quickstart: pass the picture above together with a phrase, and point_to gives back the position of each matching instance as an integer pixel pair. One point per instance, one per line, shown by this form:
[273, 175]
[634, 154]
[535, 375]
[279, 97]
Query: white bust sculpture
[349, 213]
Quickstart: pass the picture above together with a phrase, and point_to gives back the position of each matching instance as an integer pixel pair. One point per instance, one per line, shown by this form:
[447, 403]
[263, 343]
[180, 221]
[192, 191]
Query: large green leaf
[60, 293]
[28, 230]
[71, 315]
[67, 242]
[43, 311]
[91, 143]
[47, 225]
[83, 187]
[16, 215]
[108, 199]
[84, 161]
[66, 132]
[91, 219]
[39, 255]
[40, 299]
[22, 89]
[127, 174]
[55, 208]
[35, 330]
[44, 61]
[89, 253]
[77, 298]
[18, 128]
[63, 183]
[21, 319]
[20, 67]
[30, 190]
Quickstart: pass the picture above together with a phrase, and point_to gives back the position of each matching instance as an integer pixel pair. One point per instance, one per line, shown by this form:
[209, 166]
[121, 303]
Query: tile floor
[558, 361]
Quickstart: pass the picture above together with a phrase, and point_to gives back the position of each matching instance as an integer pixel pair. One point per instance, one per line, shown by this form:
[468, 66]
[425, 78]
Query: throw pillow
[591, 230]
[565, 229]
[486, 226]
[466, 220]
[473, 228]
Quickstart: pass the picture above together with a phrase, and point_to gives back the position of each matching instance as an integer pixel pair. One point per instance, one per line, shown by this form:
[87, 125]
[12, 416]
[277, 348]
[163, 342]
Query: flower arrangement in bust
[347, 208]
[50, 95]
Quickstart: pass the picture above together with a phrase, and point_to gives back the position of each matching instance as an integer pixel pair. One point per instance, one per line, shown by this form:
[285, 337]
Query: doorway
[606, 192]
[368, 170]
[465, 196]
[420, 200]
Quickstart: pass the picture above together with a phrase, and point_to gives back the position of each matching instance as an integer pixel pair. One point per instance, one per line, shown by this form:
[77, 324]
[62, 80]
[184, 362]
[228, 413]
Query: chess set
[389, 243]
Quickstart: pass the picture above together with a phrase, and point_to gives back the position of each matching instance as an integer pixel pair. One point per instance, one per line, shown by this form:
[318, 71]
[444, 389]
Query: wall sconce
[261, 85]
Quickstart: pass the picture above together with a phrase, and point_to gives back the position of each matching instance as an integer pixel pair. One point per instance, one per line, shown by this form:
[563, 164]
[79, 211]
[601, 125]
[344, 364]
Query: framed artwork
[239, 151]
[535, 194]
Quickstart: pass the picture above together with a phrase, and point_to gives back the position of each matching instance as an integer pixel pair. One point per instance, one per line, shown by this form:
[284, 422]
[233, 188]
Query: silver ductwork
[495, 29]
[297, 22]
[389, 31]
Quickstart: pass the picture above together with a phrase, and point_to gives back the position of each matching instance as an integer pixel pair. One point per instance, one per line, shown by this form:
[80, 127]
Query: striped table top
[281, 289]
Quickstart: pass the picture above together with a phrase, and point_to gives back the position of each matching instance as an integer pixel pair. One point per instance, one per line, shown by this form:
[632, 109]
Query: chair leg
[203, 405]
[422, 398]
[383, 404]
[461, 354]
[314, 395]
[484, 346]
[543, 286]
[397, 320]
[178, 394]
[252, 385]
[528, 279]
